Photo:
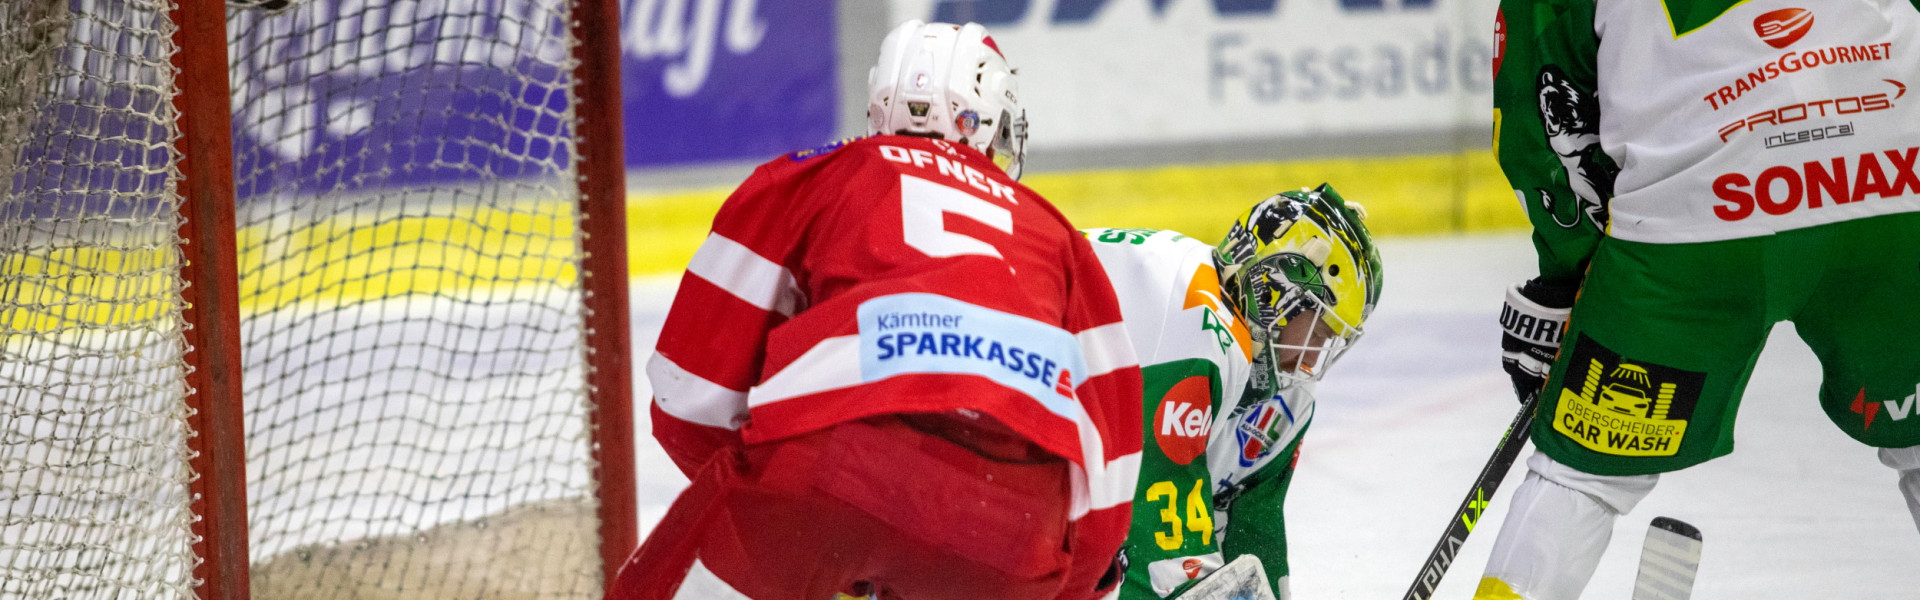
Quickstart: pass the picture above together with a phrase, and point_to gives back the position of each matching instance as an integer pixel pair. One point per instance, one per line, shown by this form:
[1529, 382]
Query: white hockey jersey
[1774, 116]
[1209, 435]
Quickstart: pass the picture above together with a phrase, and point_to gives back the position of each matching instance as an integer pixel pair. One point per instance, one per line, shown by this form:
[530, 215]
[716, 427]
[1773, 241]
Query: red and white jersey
[895, 275]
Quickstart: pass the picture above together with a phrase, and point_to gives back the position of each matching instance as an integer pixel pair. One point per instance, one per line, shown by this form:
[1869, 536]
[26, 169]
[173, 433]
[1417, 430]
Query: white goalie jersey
[1209, 436]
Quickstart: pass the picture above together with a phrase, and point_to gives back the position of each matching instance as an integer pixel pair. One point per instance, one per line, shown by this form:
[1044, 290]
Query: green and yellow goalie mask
[1302, 269]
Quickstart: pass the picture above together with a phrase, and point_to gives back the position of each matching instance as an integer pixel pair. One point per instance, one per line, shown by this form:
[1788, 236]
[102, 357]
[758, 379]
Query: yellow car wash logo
[1614, 405]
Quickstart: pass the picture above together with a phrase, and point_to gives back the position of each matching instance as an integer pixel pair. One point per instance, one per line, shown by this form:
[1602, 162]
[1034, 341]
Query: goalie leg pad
[1557, 530]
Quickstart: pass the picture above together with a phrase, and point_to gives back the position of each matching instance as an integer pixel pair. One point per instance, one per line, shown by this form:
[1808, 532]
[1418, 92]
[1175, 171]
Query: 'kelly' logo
[1184, 419]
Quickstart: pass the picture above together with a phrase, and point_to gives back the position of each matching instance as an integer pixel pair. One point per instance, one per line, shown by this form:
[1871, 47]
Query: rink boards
[1403, 195]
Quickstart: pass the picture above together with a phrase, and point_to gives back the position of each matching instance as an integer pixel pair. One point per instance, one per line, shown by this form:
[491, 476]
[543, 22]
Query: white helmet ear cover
[890, 75]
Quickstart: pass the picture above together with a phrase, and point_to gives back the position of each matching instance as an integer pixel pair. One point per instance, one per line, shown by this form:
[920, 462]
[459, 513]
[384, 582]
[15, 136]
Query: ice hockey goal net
[393, 375]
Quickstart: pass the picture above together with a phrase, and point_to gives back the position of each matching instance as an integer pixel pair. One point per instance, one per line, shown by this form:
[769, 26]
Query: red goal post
[313, 298]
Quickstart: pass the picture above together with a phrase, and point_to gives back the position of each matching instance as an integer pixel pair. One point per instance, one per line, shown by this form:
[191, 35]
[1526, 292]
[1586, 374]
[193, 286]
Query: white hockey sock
[1907, 462]
[1558, 528]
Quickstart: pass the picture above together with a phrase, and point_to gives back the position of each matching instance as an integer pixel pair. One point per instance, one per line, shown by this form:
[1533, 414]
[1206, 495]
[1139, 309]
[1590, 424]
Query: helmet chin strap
[1264, 377]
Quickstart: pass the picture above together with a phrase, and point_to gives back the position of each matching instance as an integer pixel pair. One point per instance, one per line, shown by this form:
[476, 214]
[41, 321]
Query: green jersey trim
[1688, 16]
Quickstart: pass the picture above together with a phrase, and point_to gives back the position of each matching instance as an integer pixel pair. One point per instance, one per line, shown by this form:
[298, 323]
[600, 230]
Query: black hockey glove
[1533, 320]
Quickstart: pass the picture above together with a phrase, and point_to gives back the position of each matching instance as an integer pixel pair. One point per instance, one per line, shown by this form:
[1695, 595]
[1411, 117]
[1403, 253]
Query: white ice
[1408, 418]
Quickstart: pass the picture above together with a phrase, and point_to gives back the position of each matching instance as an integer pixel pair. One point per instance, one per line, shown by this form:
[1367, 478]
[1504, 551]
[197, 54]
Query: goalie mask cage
[298, 299]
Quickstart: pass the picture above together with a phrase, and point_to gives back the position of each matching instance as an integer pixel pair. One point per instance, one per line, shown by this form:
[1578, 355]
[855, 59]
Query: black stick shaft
[1468, 515]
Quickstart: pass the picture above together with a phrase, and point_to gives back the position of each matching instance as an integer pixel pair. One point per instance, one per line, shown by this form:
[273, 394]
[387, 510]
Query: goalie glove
[1532, 321]
[1243, 579]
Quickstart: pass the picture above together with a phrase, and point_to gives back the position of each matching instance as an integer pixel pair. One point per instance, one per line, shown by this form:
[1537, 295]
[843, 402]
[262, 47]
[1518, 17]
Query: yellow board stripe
[1404, 196]
[488, 250]
[476, 253]
[347, 260]
[57, 288]
[663, 230]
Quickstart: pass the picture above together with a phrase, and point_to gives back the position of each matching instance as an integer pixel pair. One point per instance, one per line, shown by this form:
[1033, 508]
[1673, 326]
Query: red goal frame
[204, 106]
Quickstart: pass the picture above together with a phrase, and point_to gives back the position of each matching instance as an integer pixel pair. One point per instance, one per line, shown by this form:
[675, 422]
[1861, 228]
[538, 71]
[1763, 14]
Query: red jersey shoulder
[780, 180]
[819, 151]
[955, 165]
[948, 163]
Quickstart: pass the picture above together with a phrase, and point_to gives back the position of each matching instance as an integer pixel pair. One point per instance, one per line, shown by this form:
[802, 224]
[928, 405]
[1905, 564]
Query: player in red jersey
[893, 370]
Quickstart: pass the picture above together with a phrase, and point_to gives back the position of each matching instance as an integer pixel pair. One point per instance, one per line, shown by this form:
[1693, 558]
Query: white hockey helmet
[950, 82]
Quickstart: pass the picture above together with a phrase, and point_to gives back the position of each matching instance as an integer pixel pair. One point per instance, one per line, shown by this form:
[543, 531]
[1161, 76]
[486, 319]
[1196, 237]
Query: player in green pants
[1230, 340]
[1697, 171]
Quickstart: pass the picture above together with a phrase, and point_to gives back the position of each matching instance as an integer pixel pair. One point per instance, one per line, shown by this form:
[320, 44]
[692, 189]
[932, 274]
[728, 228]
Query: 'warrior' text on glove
[1533, 320]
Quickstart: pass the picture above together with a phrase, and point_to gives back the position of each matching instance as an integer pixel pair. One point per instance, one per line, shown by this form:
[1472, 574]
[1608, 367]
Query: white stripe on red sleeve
[693, 398]
[1108, 485]
[748, 276]
[1101, 483]
[830, 364]
[1115, 486]
[1107, 349]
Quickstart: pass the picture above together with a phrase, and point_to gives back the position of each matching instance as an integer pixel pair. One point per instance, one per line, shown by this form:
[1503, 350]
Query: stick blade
[1668, 561]
[1242, 579]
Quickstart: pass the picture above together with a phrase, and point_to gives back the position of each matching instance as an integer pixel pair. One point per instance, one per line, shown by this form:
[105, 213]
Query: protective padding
[1558, 528]
[1907, 462]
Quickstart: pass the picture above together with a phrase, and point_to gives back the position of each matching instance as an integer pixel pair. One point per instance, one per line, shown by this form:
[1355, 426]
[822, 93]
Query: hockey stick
[1668, 561]
[1471, 508]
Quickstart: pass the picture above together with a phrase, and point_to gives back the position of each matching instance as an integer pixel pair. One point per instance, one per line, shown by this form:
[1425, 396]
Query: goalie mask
[950, 82]
[1301, 268]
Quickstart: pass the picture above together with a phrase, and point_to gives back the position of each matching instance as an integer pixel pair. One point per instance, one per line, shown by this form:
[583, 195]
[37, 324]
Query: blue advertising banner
[334, 96]
[719, 80]
[337, 96]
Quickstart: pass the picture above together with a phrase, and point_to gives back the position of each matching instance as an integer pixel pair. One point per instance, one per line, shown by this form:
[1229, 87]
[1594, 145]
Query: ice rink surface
[1408, 418]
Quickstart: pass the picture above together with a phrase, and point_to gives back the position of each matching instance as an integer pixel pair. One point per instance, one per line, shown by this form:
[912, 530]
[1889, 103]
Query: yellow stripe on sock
[1492, 588]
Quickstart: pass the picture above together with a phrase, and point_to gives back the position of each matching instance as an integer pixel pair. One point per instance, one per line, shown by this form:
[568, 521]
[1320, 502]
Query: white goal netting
[416, 406]
[93, 455]
[415, 399]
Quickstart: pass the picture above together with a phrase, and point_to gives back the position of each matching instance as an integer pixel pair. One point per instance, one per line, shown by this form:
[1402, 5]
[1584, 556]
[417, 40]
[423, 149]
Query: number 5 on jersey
[923, 209]
[1199, 515]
